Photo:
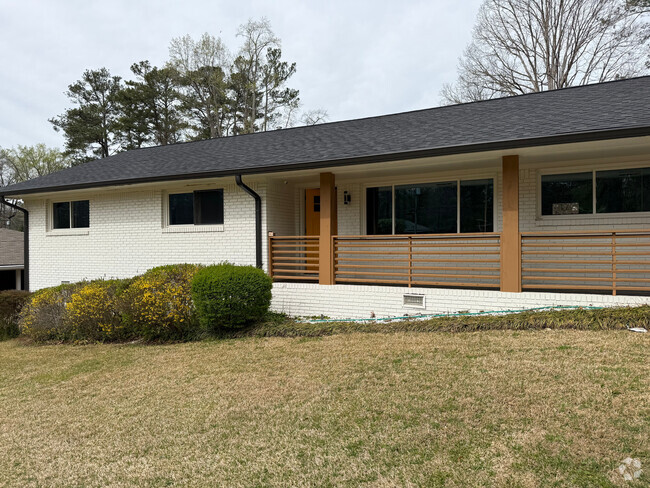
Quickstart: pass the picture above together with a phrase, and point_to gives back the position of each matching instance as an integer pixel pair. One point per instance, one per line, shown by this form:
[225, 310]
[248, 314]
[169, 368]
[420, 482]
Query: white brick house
[521, 202]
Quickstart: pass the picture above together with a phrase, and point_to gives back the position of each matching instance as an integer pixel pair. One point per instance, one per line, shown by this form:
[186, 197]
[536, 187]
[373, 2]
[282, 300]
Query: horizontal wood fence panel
[294, 258]
[443, 260]
[614, 261]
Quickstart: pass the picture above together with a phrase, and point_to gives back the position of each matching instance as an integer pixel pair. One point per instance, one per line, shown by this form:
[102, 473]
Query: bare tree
[315, 116]
[258, 38]
[523, 46]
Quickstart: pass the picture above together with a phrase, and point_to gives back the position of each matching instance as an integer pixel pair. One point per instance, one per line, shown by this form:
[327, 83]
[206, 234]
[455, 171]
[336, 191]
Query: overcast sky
[354, 58]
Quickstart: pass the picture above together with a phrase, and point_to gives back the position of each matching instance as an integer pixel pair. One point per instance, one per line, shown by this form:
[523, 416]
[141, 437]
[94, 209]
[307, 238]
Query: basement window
[204, 207]
[71, 215]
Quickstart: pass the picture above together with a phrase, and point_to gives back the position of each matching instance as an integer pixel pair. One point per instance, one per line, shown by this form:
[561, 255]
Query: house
[11, 260]
[527, 201]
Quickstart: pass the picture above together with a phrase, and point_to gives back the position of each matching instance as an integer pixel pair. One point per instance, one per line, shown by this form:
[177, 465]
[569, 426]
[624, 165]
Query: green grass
[491, 408]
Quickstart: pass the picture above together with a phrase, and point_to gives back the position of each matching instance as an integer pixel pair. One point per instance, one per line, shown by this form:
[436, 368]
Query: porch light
[347, 198]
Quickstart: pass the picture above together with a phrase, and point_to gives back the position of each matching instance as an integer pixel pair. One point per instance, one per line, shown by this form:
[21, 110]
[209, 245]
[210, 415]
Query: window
[66, 215]
[623, 190]
[199, 208]
[596, 192]
[431, 208]
[379, 210]
[426, 209]
[477, 206]
[567, 194]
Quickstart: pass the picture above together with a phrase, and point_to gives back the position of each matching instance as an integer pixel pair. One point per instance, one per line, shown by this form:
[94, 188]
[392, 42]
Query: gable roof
[591, 112]
[11, 247]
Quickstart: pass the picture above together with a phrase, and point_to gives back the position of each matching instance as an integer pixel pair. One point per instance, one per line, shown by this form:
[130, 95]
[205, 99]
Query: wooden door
[312, 212]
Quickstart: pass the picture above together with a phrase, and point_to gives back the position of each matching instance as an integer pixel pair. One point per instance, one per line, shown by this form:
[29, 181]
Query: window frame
[436, 179]
[593, 169]
[167, 227]
[67, 230]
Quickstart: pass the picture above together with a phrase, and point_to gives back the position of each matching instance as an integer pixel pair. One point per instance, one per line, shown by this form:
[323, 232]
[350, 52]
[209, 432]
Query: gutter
[25, 239]
[508, 144]
[258, 219]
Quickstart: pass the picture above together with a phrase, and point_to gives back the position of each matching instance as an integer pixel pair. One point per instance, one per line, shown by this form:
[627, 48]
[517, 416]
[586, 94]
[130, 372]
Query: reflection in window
[623, 190]
[61, 215]
[199, 208]
[428, 208]
[431, 208]
[71, 214]
[477, 206]
[379, 210]
[566, 194]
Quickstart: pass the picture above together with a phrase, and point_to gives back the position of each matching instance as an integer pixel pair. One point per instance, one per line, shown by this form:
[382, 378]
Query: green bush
[226, 295]
[158, 304]
[11, 302]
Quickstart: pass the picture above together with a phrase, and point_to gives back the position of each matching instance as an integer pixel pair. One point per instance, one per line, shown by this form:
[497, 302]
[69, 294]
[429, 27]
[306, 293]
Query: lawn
[491, 408]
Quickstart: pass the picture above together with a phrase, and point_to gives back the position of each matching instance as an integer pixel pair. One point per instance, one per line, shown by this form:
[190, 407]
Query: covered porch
[521, 250]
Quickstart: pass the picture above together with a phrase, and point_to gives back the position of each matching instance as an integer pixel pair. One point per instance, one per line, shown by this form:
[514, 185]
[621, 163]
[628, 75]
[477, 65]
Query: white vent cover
[414, 301]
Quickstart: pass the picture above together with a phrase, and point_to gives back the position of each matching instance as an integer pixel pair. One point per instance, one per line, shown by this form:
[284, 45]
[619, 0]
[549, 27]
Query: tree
[258, 38]
[276, 95]
[523, 46]
[150, 107]
[24, 163]
[202, 68]
[90, 128]
[315, 116]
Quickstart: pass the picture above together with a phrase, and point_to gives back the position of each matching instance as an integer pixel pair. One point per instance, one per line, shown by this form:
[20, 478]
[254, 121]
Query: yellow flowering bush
[43, 317]
[90, 313]
[158, 304]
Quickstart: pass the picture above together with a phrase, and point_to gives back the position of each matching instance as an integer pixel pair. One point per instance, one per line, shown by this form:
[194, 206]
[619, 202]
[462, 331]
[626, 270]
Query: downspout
[25, 239]
[258, 219]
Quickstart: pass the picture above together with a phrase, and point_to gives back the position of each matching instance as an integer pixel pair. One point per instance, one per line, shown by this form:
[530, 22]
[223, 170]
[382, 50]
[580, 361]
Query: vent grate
[414, 301]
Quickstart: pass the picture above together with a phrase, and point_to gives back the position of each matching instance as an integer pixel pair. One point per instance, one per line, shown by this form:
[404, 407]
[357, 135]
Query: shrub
[84, 311]
[91, 313]
[158, 304]
[226, 295]
[11, 302]
[43, 318]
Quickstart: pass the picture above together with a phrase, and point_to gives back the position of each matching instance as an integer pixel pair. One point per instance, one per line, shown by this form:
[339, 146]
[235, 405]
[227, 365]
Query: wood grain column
[510, 237]
[328, 228]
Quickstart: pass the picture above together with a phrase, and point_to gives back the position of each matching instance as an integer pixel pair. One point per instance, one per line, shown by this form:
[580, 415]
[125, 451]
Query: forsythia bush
[44, 317]
[163, 303]
[91, 313]
[226, 295]
[158, 304]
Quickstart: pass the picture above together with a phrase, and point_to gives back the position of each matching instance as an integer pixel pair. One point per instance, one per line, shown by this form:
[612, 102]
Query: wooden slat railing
[447, 260]
[616, 261]
[293, 258]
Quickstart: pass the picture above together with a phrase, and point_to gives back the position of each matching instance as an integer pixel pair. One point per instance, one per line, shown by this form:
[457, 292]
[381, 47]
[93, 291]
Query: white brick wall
[358, 301]
[126, 237]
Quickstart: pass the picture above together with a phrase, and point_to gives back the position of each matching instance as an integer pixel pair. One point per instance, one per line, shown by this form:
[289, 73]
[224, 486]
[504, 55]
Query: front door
[312, 212]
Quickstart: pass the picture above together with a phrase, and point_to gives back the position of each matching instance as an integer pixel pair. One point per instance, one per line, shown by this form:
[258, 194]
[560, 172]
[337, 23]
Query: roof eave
[569, 138]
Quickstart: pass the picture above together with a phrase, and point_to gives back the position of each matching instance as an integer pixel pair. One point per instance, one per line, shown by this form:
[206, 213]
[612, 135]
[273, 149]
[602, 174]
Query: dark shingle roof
[601, 111]
[11, 247]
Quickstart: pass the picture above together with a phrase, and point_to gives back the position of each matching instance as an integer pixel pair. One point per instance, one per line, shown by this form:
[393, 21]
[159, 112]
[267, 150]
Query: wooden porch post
[328, 228]
[510, 237]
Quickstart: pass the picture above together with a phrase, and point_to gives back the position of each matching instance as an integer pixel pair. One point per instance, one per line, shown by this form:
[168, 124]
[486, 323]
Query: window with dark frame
[201, 207]
[66, 215]
[431, 208]
[616, 191]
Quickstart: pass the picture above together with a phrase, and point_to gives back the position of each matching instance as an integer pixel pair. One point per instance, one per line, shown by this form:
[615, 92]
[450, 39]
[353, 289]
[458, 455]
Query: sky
[354, 58]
